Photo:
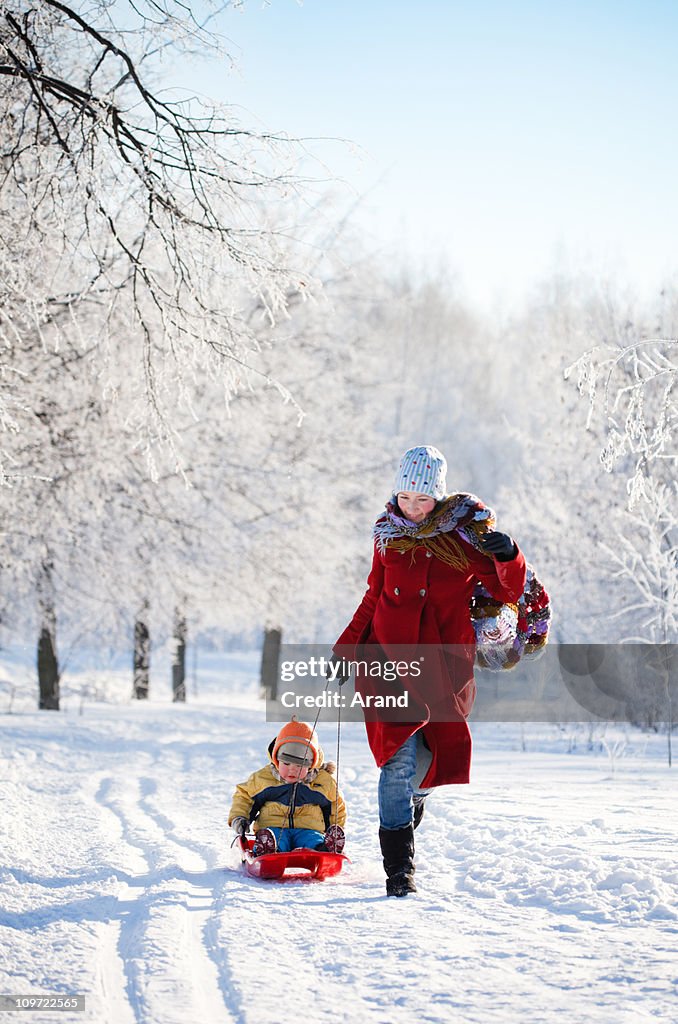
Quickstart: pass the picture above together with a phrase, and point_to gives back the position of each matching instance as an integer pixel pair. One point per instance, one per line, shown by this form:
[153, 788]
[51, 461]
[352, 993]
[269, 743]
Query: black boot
[397, 847]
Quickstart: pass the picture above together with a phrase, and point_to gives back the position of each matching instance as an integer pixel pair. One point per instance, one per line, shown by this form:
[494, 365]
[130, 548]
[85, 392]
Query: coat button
[428, 554]
[422, 592]
[396, 591]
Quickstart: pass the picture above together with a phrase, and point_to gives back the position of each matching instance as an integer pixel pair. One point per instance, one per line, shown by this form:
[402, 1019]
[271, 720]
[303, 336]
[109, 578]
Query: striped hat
[422, 470]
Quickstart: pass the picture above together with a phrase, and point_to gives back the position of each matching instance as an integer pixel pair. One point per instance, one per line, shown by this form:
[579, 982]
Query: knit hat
[422, 470]
[298, 743]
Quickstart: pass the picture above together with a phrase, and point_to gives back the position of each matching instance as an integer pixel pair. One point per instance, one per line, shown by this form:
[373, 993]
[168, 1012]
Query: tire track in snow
[292, 923]
[111, 802]
[207, 970]
[111, 978]
[163, 958]
[149, 790]
[119, 972]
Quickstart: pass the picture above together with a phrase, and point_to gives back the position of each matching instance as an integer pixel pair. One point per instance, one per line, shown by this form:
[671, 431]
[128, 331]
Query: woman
[430, 550]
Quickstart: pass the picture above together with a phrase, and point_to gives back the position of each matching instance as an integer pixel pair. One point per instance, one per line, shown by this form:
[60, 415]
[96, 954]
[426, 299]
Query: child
[294, 800]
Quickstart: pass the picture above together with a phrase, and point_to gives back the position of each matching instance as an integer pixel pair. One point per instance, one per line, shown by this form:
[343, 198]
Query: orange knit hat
[304, 739]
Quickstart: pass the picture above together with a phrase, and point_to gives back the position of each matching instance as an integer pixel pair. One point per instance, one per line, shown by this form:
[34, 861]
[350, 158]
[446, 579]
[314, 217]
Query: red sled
[300, 863]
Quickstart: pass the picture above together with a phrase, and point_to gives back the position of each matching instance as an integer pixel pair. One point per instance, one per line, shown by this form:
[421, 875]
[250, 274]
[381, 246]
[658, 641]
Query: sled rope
[292, 804]
[308, 745]
[336, 802]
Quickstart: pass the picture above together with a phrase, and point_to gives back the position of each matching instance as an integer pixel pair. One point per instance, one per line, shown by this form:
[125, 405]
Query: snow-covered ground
[547, 888]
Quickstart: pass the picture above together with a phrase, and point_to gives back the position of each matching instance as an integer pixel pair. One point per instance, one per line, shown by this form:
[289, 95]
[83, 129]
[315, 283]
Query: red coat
[415, 598]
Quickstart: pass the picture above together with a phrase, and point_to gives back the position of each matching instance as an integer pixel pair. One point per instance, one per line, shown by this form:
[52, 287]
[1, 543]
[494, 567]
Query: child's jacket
[271, 803]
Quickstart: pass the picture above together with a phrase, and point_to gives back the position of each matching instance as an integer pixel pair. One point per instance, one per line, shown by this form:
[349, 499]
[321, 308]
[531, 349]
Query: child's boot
[264, 842]
[335, 840]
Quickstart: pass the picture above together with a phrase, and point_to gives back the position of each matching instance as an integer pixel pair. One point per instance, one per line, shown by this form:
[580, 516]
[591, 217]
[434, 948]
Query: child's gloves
[239, 826]
[499, 545]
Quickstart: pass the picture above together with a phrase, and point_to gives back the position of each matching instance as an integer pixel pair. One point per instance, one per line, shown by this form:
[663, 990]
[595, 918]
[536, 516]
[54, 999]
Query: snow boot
[335, 840]
[418, 809]
[264, 842]
[401, 884]
[397, 847]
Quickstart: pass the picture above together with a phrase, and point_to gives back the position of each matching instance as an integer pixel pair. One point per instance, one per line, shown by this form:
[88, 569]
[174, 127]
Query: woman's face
[415, 506]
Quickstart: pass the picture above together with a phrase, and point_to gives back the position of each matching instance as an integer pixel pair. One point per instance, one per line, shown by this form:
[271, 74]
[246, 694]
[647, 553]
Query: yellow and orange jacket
[268, 802]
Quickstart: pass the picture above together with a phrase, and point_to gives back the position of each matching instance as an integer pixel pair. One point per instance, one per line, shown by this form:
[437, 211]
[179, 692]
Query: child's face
[415, 506]
[292, 772]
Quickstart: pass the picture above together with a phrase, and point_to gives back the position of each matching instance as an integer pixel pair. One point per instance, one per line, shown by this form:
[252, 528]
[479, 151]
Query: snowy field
[547, 888]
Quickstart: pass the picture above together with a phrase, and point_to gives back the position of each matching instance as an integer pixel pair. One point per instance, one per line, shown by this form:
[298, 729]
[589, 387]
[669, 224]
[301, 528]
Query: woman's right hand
[338, 670]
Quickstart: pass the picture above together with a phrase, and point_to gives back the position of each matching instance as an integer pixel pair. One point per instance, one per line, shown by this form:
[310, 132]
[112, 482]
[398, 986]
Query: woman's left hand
[499, 546]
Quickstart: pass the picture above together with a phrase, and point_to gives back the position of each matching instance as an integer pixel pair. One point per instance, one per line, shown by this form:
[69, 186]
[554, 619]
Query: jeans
[396, 787]
[293, 838]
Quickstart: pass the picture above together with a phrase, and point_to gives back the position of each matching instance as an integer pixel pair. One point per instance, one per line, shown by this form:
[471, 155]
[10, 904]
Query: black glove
[341, 674]
[499, 546]
[239, 826]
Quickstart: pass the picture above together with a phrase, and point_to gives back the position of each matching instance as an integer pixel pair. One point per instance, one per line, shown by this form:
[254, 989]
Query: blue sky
[505, 139]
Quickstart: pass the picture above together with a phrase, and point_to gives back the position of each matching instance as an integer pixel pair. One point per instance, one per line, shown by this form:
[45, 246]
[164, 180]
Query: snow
[547, 888]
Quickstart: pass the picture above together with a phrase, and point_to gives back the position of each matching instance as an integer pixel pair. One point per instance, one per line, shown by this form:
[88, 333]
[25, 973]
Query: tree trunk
[142, 655]
[270, 662]
[179, 658]
[48, 665]
[670, 677]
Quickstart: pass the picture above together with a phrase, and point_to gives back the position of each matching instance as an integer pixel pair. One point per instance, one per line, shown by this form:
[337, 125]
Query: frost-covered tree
[631, 389]
[556, 494]
[382, 362]
[135, 243]
[228, 539]
[149, 199]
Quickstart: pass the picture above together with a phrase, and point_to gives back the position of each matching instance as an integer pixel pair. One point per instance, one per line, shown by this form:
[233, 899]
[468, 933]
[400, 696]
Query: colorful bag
[509, 633]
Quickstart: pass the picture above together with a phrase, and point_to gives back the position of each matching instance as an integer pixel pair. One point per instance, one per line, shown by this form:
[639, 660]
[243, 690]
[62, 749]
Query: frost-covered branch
[638, 407]
[161, 207]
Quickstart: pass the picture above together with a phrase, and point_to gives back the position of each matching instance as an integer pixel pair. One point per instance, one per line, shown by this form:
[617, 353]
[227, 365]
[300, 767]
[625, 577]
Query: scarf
[463, 514]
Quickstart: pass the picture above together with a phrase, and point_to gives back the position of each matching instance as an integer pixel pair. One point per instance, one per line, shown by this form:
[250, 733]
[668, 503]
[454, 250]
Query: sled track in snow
[547, 889]
[163, 936]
